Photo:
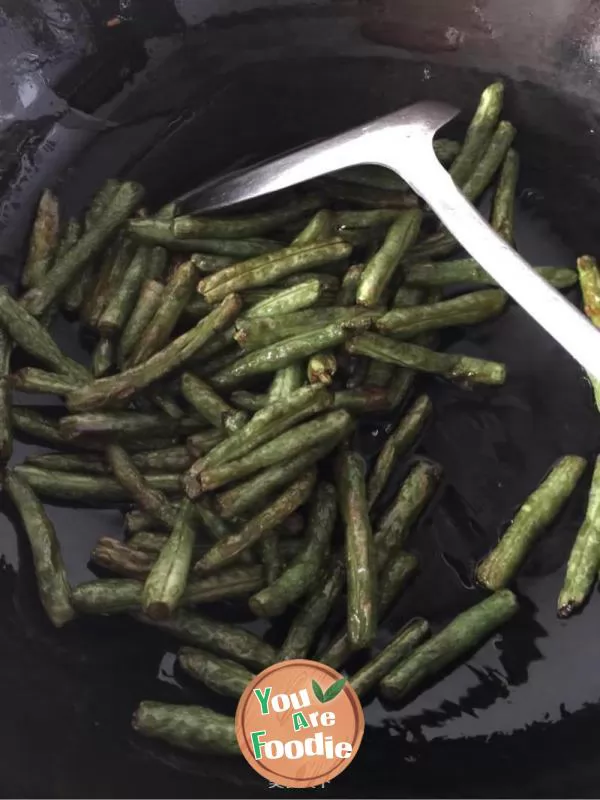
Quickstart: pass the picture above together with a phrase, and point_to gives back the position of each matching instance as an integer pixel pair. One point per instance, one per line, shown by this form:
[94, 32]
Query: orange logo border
[271, 773]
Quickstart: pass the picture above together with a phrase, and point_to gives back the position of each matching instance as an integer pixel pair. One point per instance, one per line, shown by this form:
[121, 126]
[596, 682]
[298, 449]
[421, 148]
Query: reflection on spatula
[402, 141]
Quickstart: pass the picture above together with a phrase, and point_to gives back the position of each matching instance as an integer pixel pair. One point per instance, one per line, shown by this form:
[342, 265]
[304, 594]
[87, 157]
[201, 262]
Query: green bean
[147, 304]
[366, 219]
[119, 308]
[36, 425]
[250, 401]
[189, 727]
[165, 585]
[372, 175]
[66, 270]
[138, 487]
[327, 282]
[414, 494]
[490, 163]
[32, 337]
[156, 231]
[229, 548]
[135, 562]
[38, 381]
[314, 613]
[298, 578]
[396, 445]
[51, 575]
[101, 201]
[113, 555]
[321, 368]
[446, 150]
[196, 309]
[466, 632]
[210, 405]
[467, 309]
[6, 416]
[88, 488]
[286, 352]
[281, 448]
[452, 366]
[82, 289]
[436, 245]
[220, 638]
[407, 296]
[394, 576]
[250, 494]
[107, 391]
[360, 556]
[589, 283]
[400, 385]
[584, 561]
[43, 240]
[216, 527]
[366, 196]
[197, 227]
[206, 369]
[266, 270]
[363, 237]
[158, 263]
[384, 178]
[503, 208]
[107, 596]
[221, 675]
[362, 401]
[121, 559]
[103, 357]
[347, 293]
[166, 399]
[113, 267]
[295, 298]
[319, 228]
[467, 270]
[286, 381]
[257, 333]
[270, 557]
[168, 459]
[86, 463]
[401, 646]
[208, 263]
[380, 269]
[148, 541]
[137, 520]
[219, 343]
[479, 133]
[379, 374]
[174, 298]
[198, 444]
[254, 297]
[124, 424]
[267, 424]
[500, 566]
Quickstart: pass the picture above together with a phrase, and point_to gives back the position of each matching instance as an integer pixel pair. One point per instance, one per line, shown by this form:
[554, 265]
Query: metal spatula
[402, 141]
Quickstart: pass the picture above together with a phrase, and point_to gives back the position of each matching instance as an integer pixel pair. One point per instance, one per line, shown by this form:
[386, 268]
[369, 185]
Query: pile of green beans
[232, 360]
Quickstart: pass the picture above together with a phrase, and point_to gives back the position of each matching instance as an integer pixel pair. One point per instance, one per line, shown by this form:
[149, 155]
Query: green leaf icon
[318, 692]
[334, 690]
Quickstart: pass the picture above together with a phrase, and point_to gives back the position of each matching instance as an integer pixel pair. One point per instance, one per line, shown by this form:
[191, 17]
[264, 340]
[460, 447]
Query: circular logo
[299, 724]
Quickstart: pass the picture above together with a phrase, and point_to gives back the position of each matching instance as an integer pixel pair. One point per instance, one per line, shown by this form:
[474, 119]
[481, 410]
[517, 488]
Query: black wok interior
[169, 97]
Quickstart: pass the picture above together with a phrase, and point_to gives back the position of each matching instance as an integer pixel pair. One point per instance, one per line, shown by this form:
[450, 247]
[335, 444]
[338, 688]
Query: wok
[171, 92]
